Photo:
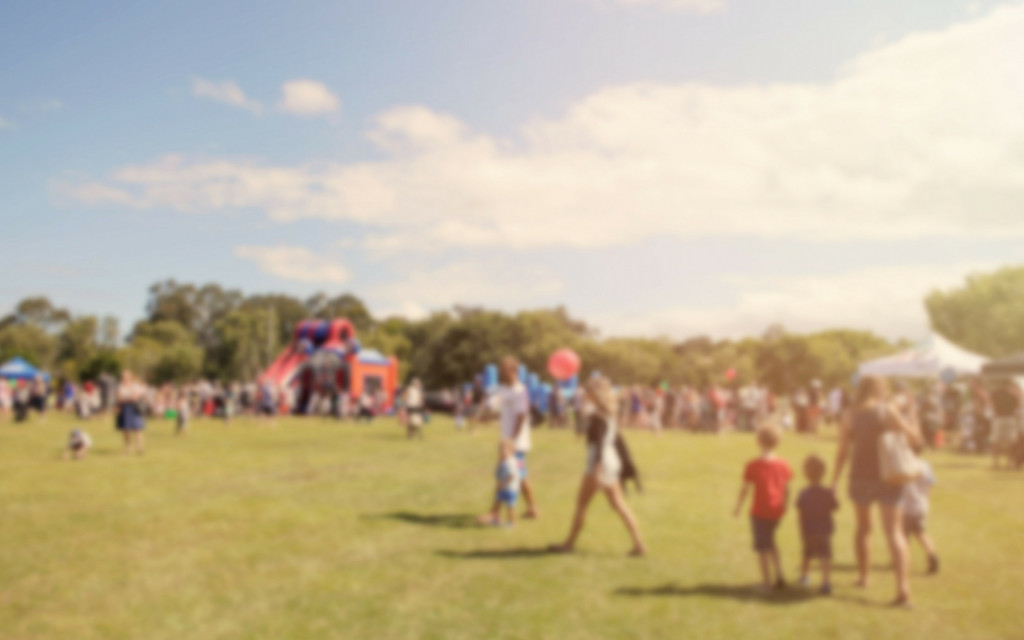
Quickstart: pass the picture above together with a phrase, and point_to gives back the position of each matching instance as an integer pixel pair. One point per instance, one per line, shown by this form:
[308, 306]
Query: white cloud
[700, 6]
[468, 283]
[295, 263]
[886, 300]
[307, 98]
[227, 93]
[921, 136]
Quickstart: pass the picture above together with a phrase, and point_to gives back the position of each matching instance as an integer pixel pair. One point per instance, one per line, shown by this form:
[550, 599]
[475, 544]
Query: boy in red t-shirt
[769, 475]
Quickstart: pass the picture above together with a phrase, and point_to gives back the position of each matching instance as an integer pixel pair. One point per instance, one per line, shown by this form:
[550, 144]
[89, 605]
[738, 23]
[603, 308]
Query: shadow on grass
[852, 568]
[958, 465]
[108, 453]
[743, 593]
[444, 520]
[497, 554]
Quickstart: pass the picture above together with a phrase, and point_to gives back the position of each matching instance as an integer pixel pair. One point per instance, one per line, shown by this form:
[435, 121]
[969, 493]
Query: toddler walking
[816, 504]
[916, 505]
[509, 481]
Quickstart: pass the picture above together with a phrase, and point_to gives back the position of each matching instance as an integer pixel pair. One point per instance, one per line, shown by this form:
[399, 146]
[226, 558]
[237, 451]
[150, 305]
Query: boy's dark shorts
[913, 525]
[818, 546]
[764, 533]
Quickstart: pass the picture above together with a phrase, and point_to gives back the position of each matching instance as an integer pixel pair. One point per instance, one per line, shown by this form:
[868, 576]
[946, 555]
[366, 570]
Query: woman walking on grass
[604, 467]
[860, 439]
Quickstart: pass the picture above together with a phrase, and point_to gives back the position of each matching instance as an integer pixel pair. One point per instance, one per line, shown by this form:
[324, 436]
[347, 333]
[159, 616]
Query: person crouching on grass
[509, 481]
[79, 444]
[769, 476]
[816, 504]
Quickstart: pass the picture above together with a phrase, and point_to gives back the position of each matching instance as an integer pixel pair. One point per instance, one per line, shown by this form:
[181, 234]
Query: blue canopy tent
[19, 369]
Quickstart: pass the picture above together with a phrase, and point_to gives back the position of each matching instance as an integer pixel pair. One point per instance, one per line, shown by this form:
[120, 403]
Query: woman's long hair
[870, 388]
[601, 393]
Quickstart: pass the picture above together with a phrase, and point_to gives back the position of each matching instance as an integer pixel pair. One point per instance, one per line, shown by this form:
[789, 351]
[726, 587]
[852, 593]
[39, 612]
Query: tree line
[191, 331]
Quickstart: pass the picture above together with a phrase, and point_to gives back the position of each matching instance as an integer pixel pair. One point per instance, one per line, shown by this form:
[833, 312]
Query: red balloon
[563, 364]
[730, 374]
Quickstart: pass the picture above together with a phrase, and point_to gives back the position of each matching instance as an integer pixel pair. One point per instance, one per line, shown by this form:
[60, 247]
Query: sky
[658, 167]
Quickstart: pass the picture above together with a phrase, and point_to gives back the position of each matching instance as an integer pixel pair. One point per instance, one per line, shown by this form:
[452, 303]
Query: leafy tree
[246, 343]
[105, 361]
[286, 312]
[77, 345]
[40, 312]
[986, 314]
[197, 308]
[28, 341]
[788, 361]
[163, 351]
[345, 305]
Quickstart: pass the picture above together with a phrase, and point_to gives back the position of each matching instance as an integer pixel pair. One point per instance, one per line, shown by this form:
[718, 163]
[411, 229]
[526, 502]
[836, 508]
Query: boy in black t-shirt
[816, 504]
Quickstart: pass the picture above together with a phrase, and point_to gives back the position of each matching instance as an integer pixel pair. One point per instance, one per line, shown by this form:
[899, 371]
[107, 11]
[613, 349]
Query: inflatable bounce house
[325, 359]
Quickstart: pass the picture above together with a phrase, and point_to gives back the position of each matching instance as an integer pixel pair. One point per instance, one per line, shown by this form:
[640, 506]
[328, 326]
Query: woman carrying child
[603, 469]
[860, 440]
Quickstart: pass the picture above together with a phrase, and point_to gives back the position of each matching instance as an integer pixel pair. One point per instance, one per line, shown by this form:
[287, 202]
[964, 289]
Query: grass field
[315, 529]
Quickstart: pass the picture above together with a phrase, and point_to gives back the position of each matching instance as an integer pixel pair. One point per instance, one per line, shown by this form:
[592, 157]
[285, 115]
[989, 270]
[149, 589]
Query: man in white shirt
[515, 427]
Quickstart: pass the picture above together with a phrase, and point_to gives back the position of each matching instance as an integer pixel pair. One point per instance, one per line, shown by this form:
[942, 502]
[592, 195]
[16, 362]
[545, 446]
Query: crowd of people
[974, 417]
[872, 412]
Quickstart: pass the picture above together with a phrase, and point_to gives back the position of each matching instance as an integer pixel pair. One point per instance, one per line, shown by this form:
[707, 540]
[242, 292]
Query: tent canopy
[933, 357]
[1009, 366]
[19, 369]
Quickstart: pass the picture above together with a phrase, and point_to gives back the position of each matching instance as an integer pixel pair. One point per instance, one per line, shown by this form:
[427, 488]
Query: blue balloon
[490, 376]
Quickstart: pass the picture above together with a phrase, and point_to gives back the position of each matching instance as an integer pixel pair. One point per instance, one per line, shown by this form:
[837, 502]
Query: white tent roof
[927, 359]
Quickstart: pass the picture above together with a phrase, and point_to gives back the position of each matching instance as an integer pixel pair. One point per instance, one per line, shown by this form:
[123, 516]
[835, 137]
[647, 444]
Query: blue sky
[658, 166]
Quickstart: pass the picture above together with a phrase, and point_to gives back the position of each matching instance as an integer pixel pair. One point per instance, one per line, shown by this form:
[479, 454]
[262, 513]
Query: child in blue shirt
[816, 504]
[509, 481]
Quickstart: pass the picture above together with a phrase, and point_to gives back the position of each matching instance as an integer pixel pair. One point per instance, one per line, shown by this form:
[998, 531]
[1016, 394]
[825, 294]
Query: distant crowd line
[974, 417]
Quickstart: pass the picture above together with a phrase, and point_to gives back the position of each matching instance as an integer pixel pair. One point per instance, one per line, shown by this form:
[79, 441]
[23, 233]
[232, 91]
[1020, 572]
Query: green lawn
[314, 529]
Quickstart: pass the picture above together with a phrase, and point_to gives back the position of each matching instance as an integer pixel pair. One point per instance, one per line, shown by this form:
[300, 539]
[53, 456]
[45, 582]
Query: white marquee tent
[931, 358]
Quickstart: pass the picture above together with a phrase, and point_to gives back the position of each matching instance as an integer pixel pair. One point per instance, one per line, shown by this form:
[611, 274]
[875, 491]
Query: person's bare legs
[926, 542]
[618, 502]
[860, 543]
[531, 506]
[777, 564]
[805, 568]
[588, 487]
[892, 522]
[766, 569]
[492, 516]
[127, 441]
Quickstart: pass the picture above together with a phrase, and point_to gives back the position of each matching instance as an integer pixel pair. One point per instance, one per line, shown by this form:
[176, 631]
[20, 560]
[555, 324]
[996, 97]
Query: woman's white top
[611, 465]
